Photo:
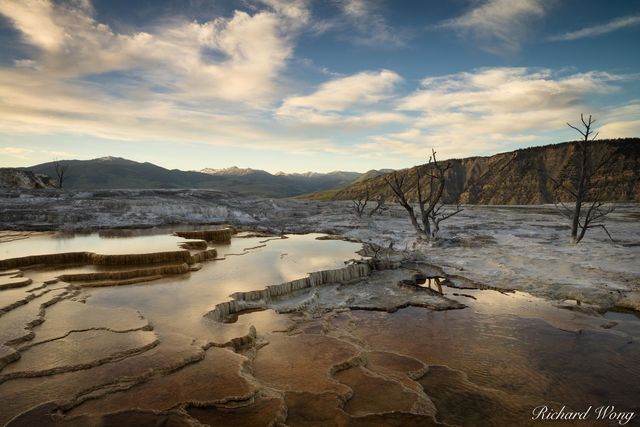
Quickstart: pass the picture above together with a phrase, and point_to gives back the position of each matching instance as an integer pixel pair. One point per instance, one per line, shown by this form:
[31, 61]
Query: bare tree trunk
[426, 203]
[61, 172]
[422, 233]
[588, 210]
[396, 183]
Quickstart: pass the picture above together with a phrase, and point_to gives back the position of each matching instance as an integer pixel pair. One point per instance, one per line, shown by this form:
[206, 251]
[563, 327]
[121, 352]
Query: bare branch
[573, 127]
[588, 211]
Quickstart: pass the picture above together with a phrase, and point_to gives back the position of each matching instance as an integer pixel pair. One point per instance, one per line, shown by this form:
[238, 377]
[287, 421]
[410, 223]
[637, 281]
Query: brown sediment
[461, 402]
[261, 411]
[80, 365]
[137, 259]
[7, 355]
[126, 274]
[146, 327]
[314, 409]
[49, 259]
[48, 415]
[208, 386]
[254, 247]
[124, 375]
[222, 235]
[206, 255]
[280, 237]
[240, 343]
[39, 319]
[84, 258]
[17, 303]
[14, 282]
[318, 356]
[368, 400]
[28, 295]
[124, 282]
[179, 263]
[10, 272]
[193, 244]
[348, 373]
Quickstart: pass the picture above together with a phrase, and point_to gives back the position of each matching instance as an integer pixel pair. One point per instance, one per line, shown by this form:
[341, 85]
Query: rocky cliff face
[524, 177]
[16, 178]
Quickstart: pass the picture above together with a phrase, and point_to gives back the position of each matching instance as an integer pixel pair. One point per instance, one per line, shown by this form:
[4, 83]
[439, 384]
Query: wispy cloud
[27, 153]
[499, 25]
[598, 30]
[15, 151]
[371, 27]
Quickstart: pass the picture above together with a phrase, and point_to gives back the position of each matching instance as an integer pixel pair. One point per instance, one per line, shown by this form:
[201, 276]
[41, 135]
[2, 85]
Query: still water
[149, 346]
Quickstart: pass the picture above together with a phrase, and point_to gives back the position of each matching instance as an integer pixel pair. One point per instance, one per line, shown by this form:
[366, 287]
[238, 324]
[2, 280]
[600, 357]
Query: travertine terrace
[254, 328]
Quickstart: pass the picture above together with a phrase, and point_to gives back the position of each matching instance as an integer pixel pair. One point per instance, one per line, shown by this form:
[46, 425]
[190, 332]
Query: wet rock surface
[290, 334]
[511, 247]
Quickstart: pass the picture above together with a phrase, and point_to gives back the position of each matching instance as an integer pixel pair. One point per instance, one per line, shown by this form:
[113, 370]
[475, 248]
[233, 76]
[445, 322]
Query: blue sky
[305, 85]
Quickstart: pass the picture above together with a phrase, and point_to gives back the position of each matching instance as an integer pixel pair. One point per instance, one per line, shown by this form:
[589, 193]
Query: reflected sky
[100, 243]
[177, 304]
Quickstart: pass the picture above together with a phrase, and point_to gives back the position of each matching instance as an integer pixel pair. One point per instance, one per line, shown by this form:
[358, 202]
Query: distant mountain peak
[233, 170]
[111, 159]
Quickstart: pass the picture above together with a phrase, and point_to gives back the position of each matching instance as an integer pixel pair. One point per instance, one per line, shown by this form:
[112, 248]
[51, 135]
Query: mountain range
[116, 172]
[520, 177]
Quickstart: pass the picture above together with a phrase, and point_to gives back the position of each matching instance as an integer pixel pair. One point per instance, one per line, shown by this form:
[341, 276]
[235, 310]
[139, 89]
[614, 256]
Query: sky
[310, 85]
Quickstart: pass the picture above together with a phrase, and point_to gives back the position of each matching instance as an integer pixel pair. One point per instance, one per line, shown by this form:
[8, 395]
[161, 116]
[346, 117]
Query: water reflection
[489, 364]
[94, 242]
[177, 304]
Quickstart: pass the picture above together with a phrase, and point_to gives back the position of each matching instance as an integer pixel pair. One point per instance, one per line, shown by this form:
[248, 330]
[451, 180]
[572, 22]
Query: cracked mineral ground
[204, 325]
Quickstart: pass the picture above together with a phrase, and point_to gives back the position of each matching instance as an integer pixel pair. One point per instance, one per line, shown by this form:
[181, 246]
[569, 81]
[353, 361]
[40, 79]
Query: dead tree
[589, 210]
[380, 205]
[360, 203]
[428, 201]
[397, 185]
[441, 213]
[61, 172]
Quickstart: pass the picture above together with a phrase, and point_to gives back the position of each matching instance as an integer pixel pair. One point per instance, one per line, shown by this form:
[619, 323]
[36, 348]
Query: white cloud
[251, 50]
[597, 30]
[181, 81]
[35, 19]
[622, 121]
[342, 95]
[500, 25]
[505, 90]
[628, 128]
[496, 108]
